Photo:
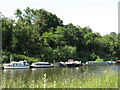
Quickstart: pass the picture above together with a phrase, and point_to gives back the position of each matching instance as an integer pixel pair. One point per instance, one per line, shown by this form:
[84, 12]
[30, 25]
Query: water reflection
[14, 73]
[54, 72]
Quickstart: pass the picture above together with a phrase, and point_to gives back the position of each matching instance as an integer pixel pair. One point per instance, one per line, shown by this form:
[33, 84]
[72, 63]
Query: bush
[100, 60]
[17, 57]
[5, 59]
[23, 57]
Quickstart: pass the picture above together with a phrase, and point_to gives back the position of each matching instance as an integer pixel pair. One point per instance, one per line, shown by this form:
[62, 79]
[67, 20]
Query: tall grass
[109, 79]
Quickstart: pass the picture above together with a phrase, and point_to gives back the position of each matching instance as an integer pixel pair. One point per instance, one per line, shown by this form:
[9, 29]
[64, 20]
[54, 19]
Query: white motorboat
[16, 65]
[41, 65]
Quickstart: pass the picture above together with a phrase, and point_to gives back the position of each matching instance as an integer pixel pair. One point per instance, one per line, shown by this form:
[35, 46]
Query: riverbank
[109, 79]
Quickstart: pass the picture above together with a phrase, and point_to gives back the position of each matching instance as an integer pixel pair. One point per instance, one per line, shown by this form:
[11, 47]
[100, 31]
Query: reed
[109, 79]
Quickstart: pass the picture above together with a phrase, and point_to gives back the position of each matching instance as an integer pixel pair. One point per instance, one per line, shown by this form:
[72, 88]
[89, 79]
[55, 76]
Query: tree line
[42, 36]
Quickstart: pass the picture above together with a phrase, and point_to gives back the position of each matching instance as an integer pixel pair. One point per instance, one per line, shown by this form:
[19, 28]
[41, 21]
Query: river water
[56, 71]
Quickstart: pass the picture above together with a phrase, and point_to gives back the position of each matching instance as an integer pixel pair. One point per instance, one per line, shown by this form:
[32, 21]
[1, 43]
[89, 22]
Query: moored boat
[41, 65]
[117, 61]
[59, 64]
[100, 63]
[16, 65]
[72, 63]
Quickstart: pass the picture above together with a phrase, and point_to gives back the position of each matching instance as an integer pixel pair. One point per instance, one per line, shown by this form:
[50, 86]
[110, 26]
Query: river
[56, 71]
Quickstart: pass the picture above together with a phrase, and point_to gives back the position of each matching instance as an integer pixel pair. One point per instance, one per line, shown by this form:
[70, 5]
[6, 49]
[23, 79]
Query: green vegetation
[39, 35]
[99, 60]
[109, 79]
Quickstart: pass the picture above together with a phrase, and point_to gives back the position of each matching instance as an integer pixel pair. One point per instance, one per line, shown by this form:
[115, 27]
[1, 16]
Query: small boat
[59, 64]
[111, 62]
[100, 63]
[117, 61]
[72, 63]
[41, 65]
[16, 65]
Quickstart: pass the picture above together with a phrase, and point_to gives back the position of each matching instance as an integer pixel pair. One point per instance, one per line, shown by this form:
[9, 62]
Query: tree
[108, 45]
[41, 34]
[7, 29]
[45, 20]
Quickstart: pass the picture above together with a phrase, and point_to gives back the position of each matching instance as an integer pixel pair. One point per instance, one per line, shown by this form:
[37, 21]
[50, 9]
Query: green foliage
[99, 60]
[23, 57]
[11, 58]
[39, 35]
[93, 56]
[5, 59]
[45, 20]
[64, 53]
[7, 27]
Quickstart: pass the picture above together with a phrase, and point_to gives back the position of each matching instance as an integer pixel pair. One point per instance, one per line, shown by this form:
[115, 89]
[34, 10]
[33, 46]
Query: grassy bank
[108, 80]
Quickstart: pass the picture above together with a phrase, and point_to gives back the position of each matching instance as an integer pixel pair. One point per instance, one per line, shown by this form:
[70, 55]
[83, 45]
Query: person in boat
[24, 62]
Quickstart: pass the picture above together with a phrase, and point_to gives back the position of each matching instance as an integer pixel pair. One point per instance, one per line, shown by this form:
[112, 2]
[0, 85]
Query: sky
[100, 15]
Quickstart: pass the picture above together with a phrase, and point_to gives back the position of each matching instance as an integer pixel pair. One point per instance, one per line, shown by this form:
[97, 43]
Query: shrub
[5, 59]
[100, 60]
[23, 57]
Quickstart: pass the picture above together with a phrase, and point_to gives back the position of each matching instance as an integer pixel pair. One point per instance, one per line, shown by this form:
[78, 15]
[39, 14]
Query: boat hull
[72, 65]
[99, 63]
[12, 67]
[41, 66]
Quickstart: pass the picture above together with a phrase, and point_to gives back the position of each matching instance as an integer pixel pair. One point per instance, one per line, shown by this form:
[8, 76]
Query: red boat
[117, 61]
